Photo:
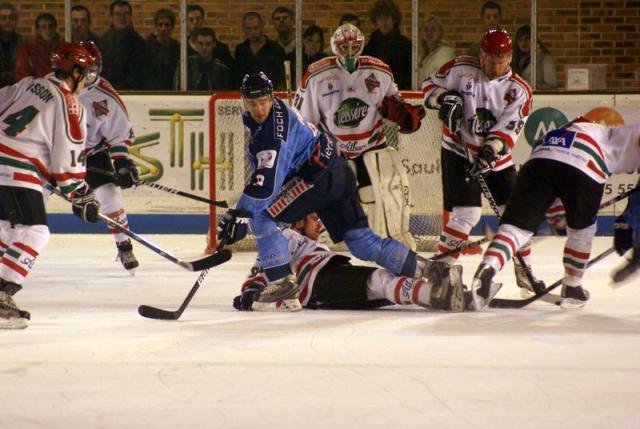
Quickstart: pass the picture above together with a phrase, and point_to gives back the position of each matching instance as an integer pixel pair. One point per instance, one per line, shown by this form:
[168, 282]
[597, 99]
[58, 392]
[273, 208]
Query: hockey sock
[398, 289]
[20, 255]
[110, 198]
[456, 231]
[507, 241]
[577, 251]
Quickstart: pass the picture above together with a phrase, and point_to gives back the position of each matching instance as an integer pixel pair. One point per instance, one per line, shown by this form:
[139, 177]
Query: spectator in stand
[124, 51]
[258, 53]
[204, 71]
[350, 18]
[435, 50]
[81, 25]
[195, 19]
[164, 51]
[491, 14]
[283, 20]
[387, 44]
[10, 42]
[313, 42]
[545, 63]
[33, 58]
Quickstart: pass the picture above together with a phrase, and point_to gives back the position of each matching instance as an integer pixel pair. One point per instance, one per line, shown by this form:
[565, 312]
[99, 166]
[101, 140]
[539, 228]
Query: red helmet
[497, 42]
[69, 55]
[92, 48]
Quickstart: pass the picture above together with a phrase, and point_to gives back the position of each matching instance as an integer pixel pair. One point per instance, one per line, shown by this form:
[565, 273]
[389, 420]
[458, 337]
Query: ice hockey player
[627, 236]
[348, 95]
[109, 137]
[571, 163]
[297, 170]
[328, 280]
[484, 106]
[42, 136]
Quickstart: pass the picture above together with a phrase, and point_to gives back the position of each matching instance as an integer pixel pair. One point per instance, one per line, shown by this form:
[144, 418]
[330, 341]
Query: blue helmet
[256, 85]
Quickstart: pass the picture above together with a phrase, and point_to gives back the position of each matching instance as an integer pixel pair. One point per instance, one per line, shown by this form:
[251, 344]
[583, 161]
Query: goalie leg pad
[390, 187]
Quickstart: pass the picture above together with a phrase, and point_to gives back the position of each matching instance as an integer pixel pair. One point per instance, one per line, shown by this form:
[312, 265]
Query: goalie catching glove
[126, 174]
[84, 204]
[407, 116]
[451, 110]
[234, 225]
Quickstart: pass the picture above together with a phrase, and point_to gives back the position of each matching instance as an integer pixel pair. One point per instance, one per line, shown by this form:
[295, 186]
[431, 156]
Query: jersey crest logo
[100, 108]
[371, 82]
[350, 113]
[510, 96]
[482, 122]
[266, 158]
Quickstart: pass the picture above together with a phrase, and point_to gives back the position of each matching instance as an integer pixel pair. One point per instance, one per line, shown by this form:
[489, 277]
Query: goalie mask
[347, 43]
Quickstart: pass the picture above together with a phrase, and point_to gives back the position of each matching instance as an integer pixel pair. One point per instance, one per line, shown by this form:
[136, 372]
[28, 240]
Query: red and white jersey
[108, 125]
[307, 258]
[346, 104]
[597, 150]
[495, 108]
[42, 134]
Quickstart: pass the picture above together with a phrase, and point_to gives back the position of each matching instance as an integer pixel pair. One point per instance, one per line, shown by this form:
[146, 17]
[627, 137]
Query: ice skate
[631, 268]
[11, 317]
[126, 257]
[483, 289]
[523, 282]
[282, 289]
[573, 297]
[282, 306]
[446, 287]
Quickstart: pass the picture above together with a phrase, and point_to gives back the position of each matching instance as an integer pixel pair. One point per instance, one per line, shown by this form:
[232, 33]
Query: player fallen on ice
[328, 280]
[297, 170]
[571, 163]
[109, 167]
[348, 95]
[483, 105]
[44, 133]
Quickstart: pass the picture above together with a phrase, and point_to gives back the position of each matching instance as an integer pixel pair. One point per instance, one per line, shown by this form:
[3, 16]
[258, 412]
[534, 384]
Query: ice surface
[88, 360]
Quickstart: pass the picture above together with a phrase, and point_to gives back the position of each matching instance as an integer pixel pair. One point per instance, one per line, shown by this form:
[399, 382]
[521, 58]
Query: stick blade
[208, 261]
[157, 313]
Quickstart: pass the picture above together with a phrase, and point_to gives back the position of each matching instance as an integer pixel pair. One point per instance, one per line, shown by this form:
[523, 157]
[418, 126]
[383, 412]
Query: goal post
[419, 153]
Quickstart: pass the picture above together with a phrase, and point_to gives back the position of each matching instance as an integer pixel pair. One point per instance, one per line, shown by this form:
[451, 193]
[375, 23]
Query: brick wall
[575, 31]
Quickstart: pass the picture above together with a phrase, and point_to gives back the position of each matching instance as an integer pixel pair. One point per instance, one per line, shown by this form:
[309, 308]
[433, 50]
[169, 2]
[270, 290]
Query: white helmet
[347, 43]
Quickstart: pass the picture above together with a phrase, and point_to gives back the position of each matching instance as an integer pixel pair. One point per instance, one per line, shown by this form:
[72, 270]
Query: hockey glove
[84, 204]
[451, 110]
[234, 225]
[126, 174]
[249, 295]
[622, 235]
[407, 116]
[484, 162]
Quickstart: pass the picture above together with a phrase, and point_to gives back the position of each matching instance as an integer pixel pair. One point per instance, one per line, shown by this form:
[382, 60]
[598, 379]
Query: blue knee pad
[387, 252]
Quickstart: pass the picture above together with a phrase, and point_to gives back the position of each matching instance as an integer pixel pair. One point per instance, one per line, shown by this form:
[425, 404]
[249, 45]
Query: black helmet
[256, 85]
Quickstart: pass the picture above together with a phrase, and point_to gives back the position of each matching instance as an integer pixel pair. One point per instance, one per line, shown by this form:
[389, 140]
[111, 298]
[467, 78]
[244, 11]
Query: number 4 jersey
[42, 133]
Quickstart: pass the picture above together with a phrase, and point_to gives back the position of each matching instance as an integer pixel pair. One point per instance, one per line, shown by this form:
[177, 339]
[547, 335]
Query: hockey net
[419, 152]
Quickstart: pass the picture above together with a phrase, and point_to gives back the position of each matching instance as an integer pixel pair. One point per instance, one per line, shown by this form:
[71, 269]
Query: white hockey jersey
[307, 258]
[346, 104]
[492, 108]
[42, 135]
[597, 150]
[108, 125]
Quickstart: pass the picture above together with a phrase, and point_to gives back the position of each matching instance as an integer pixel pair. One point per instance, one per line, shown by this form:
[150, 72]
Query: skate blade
[457, 296]
[131, 272]
[282, 306]
[525, 293]
[14, 323]
[622, 277]
[478, 302]
[571, 303]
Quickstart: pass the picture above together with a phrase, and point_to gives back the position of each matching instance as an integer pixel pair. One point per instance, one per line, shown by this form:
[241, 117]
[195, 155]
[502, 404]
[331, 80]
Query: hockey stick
[158, 313]
[287, 79]
[545, 295]
[154, 185]
[195, 265]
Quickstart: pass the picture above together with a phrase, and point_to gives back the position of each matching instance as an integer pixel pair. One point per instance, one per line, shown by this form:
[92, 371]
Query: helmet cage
[347, 43]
